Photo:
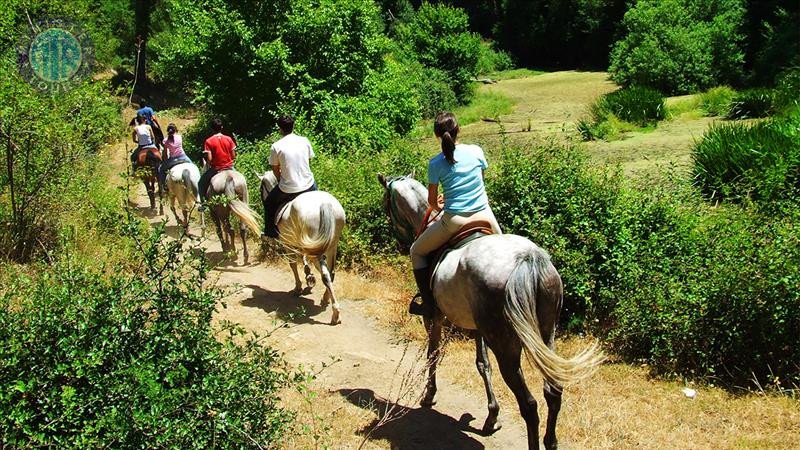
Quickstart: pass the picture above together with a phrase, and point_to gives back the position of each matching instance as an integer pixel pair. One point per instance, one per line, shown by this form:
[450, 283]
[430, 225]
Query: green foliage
[68, 128]
[492, 60]
[680, 46]
[131, 360]
[663, 278]
[623, 110]
[738, 161]
[776, 40]
[752, 103]
[787, 90]
[717, 101]
[438, 36]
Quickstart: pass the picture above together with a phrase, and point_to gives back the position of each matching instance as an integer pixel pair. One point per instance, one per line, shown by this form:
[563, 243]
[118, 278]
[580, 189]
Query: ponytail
[445, 126]
[448, 147]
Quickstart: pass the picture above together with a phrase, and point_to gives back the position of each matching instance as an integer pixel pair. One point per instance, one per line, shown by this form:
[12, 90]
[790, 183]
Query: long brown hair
[445, 126]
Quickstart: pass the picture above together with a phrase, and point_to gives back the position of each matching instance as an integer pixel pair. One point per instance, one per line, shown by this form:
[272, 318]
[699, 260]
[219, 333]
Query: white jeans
[441, 231]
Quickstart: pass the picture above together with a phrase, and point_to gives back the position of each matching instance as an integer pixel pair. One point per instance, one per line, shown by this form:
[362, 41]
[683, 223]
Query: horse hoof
[491, 428]
[427, 402]
[296, 291]
[306, 290]
[335, 320]
[310, 281]
[324, 303]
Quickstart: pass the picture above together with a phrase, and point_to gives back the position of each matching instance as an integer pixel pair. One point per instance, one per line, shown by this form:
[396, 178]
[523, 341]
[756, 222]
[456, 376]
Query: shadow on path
[414, 428]
[287, 306]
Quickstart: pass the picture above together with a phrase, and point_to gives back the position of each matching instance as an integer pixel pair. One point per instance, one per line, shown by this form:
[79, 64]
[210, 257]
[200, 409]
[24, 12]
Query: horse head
[404, 202]
[268, 182]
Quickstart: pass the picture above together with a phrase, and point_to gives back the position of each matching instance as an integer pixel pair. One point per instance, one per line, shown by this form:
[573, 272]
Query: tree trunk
[143, 10]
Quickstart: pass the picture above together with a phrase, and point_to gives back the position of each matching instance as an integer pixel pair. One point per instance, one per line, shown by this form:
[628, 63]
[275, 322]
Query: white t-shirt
[292, 153]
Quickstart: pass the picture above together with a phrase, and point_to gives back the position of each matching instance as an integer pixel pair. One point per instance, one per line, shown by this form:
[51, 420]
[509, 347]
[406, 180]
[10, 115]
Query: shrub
[438, 36]
[638, 105]
[787, 90]
[717, 101]
[131, 360]
[680, 46]
[692, 290]
[491, 59]
[752, 103]
[737, 161]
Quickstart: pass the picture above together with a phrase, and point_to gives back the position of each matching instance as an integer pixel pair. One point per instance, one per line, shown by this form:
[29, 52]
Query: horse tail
[526, 285]
[242, 210]
[315, 243]
[186, 176]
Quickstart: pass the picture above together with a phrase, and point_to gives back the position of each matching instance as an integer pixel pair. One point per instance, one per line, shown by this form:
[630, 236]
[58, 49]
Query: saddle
[468, 233]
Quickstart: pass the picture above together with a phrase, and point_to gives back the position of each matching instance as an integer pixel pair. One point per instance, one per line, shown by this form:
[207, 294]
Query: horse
[182, 187]
[226, 194]
[145, 167]
[310, 227]
[506, 290]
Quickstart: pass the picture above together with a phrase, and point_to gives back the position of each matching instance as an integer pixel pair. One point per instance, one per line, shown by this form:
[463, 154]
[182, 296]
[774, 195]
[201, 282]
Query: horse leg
[230, 234]
[330, 260]
[552, 395]
[327, 280]
[485, 369]
[508, 357]
[150, 192]
[172, 207]
[298, 285]
[243, 234]
[218, 225]
[434, 329]
[310, 280]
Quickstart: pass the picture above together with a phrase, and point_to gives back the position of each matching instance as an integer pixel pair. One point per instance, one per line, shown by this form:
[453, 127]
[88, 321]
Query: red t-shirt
[221, 148]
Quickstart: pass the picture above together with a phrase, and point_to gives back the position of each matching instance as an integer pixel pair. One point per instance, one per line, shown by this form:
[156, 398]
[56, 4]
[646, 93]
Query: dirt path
[364, 365]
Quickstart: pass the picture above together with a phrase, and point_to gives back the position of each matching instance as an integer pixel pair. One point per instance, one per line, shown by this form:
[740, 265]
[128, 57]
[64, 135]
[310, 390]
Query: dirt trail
[365, 364]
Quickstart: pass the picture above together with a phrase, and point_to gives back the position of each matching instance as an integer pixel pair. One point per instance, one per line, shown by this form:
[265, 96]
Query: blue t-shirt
[146, 112]
[462, 182]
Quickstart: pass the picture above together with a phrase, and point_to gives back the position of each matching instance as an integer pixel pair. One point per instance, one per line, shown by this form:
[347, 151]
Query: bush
[752, 103]
[623, 110]
[638, 105]
[69, 128]
[94, 360]
[717, 101]
[491, 59]
[680, 46]
[691, 290]
[438, 36]
[738, 161]
[787, 90]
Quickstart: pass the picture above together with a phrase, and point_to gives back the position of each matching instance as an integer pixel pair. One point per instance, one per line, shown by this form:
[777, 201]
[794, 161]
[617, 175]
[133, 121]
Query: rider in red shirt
[220, 152]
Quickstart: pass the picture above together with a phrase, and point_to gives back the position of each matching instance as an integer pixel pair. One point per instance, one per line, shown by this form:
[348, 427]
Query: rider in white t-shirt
[289, 158]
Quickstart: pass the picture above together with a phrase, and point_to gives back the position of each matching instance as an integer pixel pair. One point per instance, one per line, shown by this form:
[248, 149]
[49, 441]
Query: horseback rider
[219, 151]
[145, 139]
[289, 157]
[150, 117]
[459, 169]
[173, 149]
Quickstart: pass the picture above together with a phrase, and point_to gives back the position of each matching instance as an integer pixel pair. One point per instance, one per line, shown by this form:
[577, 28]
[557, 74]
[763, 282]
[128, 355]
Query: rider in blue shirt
[459, 170]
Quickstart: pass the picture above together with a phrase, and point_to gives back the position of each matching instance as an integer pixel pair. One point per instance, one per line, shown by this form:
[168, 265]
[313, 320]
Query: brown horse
[145, 167]
[505, 289]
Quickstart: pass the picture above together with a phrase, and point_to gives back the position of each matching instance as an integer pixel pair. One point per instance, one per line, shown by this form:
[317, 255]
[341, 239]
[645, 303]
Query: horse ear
[413, 173]
[260, 177]
[382, 180]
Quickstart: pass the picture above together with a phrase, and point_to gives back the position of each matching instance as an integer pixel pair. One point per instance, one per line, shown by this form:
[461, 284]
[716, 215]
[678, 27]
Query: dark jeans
[205, 179]
[274, 201]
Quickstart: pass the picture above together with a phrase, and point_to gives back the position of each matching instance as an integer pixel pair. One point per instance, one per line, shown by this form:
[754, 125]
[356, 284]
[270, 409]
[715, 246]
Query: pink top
[175, 147]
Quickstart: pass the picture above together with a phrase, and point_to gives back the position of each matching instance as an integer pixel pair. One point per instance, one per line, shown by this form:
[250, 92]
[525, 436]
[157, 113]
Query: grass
[484, 105]
[514, 74]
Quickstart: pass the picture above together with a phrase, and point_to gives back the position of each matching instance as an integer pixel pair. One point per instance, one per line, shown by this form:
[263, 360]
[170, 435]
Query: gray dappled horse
[226, 194]
[310, 227]
[505, 288]
[182, 187]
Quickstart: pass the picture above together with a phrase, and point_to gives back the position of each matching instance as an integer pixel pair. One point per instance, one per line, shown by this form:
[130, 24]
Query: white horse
[310, 227]
[182, 182]
[505, 288]
[226, 194]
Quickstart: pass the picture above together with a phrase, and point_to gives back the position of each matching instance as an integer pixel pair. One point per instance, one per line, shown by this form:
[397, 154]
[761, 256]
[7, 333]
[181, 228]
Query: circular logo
[56, 56]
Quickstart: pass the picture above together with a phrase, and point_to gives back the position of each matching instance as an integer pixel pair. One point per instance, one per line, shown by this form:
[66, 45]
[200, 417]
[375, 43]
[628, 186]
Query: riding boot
[426, 306]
